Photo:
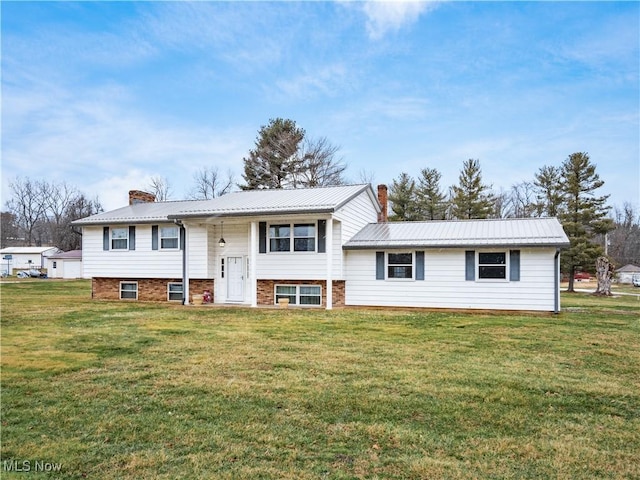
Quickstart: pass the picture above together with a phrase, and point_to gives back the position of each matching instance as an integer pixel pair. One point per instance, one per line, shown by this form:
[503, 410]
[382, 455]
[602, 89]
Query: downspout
[556, 282]
[185, 287]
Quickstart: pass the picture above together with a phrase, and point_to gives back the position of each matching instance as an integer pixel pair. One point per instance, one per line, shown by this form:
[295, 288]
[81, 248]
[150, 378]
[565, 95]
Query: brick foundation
[266, 290]
[149, 289]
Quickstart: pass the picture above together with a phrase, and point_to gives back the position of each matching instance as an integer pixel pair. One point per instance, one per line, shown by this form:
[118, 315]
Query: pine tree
[275, 160]
[584, 214]
[471, 198]
[402, 199]
[431, 201]
[548, 191]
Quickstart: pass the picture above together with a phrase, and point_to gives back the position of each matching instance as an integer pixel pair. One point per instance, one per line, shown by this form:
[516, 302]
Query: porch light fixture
[221, 242]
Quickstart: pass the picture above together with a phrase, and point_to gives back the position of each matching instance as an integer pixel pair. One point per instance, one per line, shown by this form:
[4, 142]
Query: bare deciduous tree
[161, 188]
[29, 206]
[210, 184]
[319, 166]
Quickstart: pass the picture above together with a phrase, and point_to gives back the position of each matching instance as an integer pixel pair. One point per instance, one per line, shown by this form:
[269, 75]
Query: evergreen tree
[548, 191]
[274, 161]
[431, 201]
[402, 198]
[471, 198]
[584, 214]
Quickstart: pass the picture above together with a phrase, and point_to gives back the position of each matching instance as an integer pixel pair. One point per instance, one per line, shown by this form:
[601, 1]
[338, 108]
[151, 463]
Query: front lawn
[99, 389]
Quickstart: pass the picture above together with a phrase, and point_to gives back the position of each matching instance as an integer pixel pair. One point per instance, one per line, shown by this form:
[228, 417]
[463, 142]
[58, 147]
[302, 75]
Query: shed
[65, 265]
[625, 274]
[15, 259]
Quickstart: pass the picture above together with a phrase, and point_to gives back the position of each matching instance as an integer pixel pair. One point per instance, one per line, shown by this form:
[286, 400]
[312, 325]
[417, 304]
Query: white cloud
[96, 142]
[391, 16]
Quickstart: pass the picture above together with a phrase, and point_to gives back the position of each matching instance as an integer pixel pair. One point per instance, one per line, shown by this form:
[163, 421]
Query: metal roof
[461, 233]
[243, 203]
[26, 250]
[70, 255]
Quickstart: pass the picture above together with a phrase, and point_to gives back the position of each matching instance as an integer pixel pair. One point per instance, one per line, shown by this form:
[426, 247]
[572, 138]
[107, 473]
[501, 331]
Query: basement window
[303, 295]
[175, 292]
[128, 290]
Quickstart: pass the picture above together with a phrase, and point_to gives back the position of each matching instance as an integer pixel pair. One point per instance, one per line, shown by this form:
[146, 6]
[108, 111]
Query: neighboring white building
[625, 274]
[65, 265]
[323, 247]
[16, 259]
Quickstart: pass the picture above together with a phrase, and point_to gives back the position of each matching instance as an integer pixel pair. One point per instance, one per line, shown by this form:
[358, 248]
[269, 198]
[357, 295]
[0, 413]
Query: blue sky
[105, 95]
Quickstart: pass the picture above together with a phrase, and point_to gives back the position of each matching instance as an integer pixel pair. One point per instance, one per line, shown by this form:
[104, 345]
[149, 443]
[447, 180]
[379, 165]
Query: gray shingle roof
[463, 233]
[245, 203]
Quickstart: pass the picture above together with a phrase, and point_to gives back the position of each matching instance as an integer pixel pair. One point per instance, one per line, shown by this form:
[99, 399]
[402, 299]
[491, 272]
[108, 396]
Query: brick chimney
[382, 198]
[138, 196]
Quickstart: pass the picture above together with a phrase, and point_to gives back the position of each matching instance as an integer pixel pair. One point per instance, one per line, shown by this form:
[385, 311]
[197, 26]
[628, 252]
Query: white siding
[72, 269]
[298, 265]
[355, 215]
[143, 262]
[444, 285]
[65, 268]
[197, 252]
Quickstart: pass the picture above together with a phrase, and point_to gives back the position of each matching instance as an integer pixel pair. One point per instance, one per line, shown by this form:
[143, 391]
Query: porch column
[329, 249]
[253, 262]
[185, 266]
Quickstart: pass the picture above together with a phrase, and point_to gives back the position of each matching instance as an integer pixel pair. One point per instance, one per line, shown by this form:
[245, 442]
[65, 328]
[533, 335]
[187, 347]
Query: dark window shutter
[132, 238]
[419, 265]
[379, 265]
[262, 237]
[154, 237]
[182, 237]
[322, 236]
[105, 238]
[514, 265]
[470, 265]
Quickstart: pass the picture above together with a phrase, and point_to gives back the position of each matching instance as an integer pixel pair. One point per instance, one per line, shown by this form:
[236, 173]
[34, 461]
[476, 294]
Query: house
[65, 265]
[625, 274]
[325, 247]
[16, 259]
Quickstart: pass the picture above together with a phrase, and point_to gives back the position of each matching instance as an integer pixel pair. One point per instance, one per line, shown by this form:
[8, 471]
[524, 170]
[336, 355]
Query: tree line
[283, 156]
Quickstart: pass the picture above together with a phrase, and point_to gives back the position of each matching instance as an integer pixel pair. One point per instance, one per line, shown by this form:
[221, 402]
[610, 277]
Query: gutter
[410, 244]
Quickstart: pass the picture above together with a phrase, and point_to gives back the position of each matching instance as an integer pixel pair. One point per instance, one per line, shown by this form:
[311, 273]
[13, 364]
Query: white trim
[297, 294]
[169, 292]
[507, 266]
[120, 289]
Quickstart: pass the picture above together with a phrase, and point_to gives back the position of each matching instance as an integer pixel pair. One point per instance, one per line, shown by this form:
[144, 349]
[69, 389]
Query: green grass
[139, 391]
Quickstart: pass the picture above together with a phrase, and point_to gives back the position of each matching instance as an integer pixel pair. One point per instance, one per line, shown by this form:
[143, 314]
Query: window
[304, 237]
[119, 238]
[492, 265]
[128, 290]
[301, 235]
[175, 291]
[400, 265]
[310, 295]
[169, 238]
[55, 264]
[285, 291]
[300, 294]
[280, 238]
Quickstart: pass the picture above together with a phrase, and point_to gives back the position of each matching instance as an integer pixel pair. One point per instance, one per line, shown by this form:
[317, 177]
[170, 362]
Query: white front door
[235, 279]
